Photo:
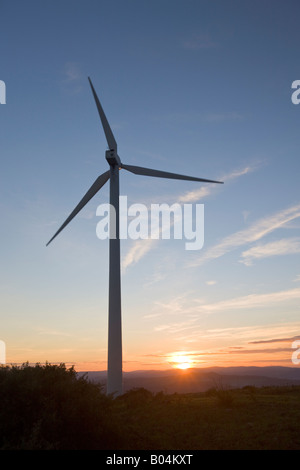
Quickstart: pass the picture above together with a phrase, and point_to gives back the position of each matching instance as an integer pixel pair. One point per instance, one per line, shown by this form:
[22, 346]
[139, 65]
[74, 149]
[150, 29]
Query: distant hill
[200, 380]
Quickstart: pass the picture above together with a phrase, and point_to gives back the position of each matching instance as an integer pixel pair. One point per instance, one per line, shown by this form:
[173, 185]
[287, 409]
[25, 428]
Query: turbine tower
[114, 359]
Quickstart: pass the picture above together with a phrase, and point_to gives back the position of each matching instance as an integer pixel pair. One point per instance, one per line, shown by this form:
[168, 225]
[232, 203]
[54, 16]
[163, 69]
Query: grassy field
[49, 407]
[243, 419]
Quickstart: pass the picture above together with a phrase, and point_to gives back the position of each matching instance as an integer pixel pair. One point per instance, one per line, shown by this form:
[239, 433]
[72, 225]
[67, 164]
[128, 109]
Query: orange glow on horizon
[181, 362]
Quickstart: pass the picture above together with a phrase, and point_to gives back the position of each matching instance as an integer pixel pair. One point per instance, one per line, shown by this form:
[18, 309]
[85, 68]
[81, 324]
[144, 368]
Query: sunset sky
[196, 87]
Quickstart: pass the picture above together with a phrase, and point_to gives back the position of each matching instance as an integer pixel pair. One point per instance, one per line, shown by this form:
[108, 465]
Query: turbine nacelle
[112, 157]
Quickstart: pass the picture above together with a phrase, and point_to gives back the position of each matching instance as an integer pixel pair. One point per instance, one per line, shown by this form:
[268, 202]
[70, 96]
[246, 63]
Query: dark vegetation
[49, 407]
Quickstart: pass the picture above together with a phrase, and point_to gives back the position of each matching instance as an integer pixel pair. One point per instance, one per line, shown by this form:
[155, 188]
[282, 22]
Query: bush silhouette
[48, 407]
[136, 397]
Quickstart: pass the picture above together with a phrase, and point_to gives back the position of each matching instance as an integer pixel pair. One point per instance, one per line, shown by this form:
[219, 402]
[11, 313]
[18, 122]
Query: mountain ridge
[202, 379]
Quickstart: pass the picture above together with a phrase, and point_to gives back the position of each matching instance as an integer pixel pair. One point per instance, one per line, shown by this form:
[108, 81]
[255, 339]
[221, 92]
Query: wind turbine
[114, 363]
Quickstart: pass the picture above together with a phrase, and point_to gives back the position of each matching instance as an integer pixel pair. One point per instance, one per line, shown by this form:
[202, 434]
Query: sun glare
[181, 362]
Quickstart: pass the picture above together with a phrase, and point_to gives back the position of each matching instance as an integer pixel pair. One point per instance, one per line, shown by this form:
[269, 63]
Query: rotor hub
[112, 157]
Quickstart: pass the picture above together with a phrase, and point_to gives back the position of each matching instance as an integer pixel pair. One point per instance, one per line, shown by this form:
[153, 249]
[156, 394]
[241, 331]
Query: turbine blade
[112, 144]
[96, 186]
[138, 170]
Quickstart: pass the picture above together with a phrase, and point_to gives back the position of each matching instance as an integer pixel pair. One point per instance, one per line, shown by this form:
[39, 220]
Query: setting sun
[181, 362]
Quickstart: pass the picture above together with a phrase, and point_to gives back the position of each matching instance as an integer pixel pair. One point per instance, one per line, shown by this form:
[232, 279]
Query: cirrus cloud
[276, 248]
[253, 233]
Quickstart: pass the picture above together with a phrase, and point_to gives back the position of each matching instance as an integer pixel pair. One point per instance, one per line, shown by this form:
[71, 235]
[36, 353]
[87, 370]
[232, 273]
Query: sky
[196, 87]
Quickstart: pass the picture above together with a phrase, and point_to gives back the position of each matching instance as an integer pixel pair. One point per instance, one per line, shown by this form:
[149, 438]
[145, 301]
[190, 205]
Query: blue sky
[194, 87]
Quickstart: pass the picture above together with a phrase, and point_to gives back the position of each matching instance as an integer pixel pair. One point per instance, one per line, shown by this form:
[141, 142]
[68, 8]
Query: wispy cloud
[197, 194]
[239, 172]
[259, 332]
[259, 351]
[72, 77]
[204, 191]
[253, 233]
[238, 343]
[184, 320]
[51, 332]
[211, 283]
[194, 308]
[276, 248]
[290, 339]
[71, 72]
[156, 277]
[142, 247]
[251, 301]
[174, 306]
[136, 252]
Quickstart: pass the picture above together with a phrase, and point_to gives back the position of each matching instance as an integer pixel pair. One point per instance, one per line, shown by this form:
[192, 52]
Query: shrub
[136, 397]
[48, 407]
